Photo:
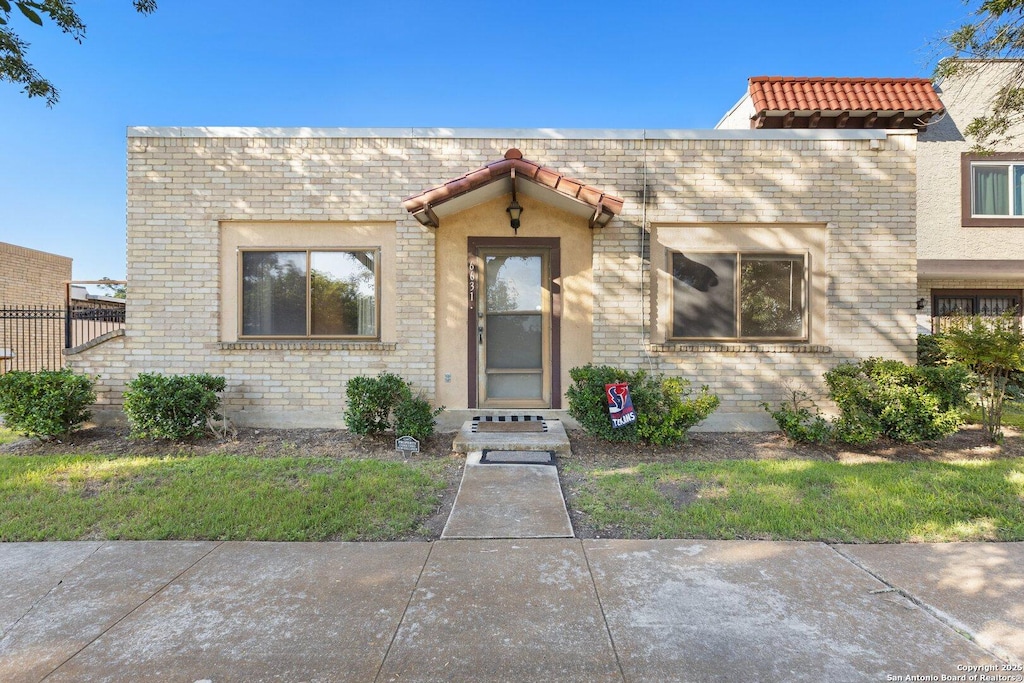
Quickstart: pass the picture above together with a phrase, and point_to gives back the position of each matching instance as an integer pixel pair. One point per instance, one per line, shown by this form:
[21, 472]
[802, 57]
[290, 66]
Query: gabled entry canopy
[502, 177]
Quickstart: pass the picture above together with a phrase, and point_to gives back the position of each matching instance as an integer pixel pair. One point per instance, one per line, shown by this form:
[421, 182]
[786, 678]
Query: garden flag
[620, 405]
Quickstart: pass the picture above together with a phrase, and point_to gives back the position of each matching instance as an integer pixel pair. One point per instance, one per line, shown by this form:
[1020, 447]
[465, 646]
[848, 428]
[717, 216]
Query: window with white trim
[739, 296]
[296, 293]
[997, 188]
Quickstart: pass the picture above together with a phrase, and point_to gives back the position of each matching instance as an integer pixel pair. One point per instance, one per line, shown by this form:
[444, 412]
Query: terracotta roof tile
[788, 93]
[529, 170]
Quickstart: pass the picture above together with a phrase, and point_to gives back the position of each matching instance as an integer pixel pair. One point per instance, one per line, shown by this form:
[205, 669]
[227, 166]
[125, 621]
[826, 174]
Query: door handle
[480, 333]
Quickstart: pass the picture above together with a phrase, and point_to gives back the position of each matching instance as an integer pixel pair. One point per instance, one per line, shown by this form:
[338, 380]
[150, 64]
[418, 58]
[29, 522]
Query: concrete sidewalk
[507, 610]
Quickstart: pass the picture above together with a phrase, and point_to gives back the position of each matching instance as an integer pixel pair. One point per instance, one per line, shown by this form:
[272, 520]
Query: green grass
[7, 436]
[808, 500]
[1013, 415]
[76, 497]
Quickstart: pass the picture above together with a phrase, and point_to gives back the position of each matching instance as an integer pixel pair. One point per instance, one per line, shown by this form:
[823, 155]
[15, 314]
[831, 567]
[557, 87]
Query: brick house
[31, 282]
[290, 260]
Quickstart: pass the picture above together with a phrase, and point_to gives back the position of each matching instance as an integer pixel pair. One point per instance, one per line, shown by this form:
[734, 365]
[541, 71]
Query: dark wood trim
[973, 293]
[553, 245]
[966, 198]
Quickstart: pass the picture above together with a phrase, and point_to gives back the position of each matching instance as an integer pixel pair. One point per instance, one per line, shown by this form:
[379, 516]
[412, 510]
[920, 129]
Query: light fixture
[514, 211]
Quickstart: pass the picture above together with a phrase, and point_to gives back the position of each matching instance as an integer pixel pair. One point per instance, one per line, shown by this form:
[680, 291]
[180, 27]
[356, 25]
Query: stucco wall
[940, 231]
[183, 186]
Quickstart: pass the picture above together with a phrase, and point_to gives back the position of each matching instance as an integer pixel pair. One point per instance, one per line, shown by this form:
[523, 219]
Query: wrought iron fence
[33, 338]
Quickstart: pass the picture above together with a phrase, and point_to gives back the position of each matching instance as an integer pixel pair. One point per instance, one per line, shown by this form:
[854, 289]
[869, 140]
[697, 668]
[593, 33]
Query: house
[970, 206]
[482, 265]
[32, 290]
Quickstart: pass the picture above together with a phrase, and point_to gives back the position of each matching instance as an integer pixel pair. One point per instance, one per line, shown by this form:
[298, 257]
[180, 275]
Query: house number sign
[472, 285]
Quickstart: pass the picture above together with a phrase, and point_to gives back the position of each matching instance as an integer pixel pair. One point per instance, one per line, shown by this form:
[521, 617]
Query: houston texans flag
[620, 405]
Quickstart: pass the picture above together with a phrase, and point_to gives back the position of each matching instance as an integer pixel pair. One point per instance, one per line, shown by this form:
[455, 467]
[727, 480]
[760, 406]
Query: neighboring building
[290, 260]
[970, 207]
[32, 292]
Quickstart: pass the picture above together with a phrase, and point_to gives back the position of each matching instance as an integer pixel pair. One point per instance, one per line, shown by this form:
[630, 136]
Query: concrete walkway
[507, 610]
[508, 501]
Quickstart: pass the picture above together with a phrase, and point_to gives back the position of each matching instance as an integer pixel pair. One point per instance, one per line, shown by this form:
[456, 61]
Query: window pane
[772, 296]
[704, 295]
[514, 283]
[344, 287]
[1018, 190]
[515, 386]
[991, 191]
[514, 341]
[274, 293]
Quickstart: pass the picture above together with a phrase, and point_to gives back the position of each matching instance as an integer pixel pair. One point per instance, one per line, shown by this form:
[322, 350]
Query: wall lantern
[514, 212]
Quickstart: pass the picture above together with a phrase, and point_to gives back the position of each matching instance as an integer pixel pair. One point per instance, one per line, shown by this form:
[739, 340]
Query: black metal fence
[33, 337]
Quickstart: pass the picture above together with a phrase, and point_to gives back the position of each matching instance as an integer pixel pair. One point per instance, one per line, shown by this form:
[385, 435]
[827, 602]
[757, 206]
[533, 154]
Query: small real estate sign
[620, 405]
[407, 444]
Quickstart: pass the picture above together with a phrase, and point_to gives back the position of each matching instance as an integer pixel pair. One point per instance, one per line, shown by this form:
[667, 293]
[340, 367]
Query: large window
[739, 296]
[993, 189]
[306, 293]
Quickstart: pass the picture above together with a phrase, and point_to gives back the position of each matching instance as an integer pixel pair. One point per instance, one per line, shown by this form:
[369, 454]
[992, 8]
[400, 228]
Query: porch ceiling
[513, 172]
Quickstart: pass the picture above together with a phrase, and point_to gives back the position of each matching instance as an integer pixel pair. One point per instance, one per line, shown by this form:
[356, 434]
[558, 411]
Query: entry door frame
[474, 288]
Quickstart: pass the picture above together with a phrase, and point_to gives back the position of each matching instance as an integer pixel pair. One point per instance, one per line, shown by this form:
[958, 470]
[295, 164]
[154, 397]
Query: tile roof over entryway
[514, 167]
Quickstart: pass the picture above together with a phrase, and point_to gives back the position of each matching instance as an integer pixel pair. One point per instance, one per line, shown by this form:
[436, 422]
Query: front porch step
[553, 439]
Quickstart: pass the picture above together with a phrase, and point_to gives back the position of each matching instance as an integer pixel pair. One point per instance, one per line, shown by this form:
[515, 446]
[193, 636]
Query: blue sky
[401, 63]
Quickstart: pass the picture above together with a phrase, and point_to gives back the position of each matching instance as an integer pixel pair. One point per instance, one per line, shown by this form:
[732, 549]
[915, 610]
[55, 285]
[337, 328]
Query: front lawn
[868, 502]
[215, 497]
[7, 436]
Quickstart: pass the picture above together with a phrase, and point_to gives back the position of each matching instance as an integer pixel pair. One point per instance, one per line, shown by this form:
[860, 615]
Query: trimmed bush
[666, 407]
[376, 404]
[907, 403]
[371, 400]
[172, 406]
[46, 403]
[415, 417]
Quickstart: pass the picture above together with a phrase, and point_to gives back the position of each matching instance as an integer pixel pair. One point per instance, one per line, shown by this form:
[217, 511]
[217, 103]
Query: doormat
[517, 458]
[509, 427]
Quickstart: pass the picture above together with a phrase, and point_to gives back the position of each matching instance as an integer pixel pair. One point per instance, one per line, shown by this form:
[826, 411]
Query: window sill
[733, 347]
[309, 345]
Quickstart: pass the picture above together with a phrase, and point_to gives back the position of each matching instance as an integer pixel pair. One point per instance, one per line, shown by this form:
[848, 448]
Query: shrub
[993, 348]
[371, 400]
[46, 403]
[929, 350]
[908, 403]
[172, 406]
[666, 408]
[798, 423]
[415, 417]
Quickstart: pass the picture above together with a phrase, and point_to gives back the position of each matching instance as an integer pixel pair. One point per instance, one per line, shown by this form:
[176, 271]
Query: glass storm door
[514, 328]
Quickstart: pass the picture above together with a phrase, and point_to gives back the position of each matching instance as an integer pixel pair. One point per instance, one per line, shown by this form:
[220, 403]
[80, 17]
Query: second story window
[997, 189]
[993, 190]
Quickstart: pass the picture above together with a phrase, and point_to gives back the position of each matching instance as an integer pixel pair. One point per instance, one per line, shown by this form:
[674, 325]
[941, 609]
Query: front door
[513, 320]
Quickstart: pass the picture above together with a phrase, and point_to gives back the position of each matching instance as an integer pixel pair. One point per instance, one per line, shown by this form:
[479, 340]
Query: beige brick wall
[30, 278]
[180, 189]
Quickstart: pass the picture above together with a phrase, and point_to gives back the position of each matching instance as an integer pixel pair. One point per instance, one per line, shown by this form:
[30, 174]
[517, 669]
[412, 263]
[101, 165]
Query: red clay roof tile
[788, 93]
[524, 168]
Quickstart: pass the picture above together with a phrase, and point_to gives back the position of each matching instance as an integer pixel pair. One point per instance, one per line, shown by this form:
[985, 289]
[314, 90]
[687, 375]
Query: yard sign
[620, 405]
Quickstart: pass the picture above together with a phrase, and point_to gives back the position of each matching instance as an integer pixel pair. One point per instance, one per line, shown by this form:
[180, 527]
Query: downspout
[645, 305]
